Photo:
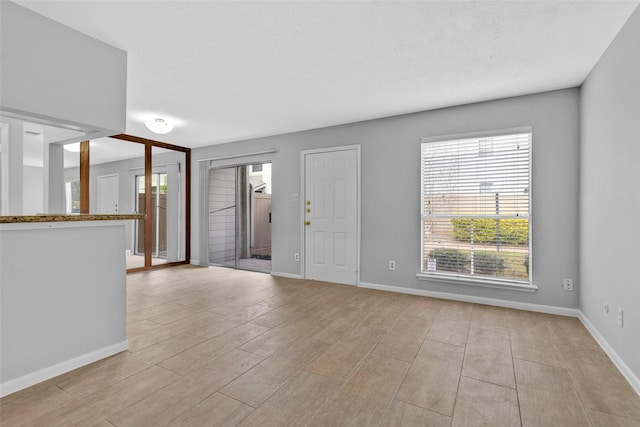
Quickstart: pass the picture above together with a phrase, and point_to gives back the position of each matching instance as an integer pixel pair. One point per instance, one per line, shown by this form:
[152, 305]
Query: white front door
[331, 216]
[108, 194]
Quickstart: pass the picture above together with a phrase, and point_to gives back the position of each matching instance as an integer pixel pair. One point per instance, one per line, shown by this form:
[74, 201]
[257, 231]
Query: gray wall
[63, 297]
[32, 186]
[50, 71]
[391, 189]
[609, 195]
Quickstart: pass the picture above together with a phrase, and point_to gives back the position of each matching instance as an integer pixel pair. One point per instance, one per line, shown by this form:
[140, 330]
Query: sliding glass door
[240, 217]
[222, 216]
[158, 216]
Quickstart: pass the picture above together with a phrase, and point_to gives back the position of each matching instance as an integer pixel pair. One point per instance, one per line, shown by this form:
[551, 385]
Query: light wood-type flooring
[215, 346]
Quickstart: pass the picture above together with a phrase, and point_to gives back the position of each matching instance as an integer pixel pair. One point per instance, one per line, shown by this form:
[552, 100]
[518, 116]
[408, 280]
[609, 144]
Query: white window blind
[476, 207]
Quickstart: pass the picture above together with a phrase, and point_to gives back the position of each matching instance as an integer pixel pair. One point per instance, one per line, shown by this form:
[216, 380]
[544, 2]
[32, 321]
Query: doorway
[331, 204]
[240, 217]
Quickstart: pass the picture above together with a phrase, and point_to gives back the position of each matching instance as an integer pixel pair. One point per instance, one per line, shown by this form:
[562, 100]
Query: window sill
[485, 283]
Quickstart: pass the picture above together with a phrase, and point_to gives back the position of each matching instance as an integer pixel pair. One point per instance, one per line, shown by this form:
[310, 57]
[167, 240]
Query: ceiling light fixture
[159, 125]
[74, 147]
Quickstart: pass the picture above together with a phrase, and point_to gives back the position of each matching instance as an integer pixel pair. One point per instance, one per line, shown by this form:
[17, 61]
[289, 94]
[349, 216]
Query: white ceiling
[227, 71]
[105, 150]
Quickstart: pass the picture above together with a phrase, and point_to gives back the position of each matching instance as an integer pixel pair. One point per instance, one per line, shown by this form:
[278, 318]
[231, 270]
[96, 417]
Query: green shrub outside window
[512, 231]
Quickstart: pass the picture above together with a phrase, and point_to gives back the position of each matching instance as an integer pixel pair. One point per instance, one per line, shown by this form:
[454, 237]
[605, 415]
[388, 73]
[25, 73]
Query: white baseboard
[613, 355]
[287, 275]
[549, 309]
[33, 378]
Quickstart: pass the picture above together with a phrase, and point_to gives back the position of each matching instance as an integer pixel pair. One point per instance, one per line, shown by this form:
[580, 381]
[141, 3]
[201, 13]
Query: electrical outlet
[296, 256]
[567, 284]
[392, 265]
[294, 197]
[620, 316]
[128, 252]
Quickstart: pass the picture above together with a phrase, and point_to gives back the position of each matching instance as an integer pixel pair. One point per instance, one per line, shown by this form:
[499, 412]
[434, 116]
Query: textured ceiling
[227, 71]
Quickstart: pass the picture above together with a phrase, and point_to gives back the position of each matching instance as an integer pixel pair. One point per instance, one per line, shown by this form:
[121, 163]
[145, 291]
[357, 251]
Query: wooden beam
[148, 205]
[139, 140]
[84, 177]
[148, 225]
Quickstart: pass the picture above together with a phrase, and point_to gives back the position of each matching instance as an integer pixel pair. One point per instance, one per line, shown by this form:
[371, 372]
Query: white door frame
[302, 199]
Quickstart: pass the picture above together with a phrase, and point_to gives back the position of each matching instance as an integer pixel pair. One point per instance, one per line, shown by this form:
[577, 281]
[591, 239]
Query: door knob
[308, 202]
[308, 210]
[307, 223]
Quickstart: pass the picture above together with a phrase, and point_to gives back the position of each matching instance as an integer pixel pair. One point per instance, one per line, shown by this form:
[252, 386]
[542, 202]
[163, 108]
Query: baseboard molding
[33, 378]
[549, 309]
[613, 355]
[287, 275]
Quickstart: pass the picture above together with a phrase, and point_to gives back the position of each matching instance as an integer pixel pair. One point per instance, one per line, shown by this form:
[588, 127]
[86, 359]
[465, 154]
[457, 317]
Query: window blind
[476, 207]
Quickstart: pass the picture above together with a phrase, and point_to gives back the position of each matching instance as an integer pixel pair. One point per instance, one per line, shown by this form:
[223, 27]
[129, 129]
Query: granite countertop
[66, 218]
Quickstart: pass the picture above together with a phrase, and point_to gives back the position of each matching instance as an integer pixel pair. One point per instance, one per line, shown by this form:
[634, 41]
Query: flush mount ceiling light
[159, 125]
[74, 148]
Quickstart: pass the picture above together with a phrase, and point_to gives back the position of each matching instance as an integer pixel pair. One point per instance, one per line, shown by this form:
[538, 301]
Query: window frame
[467, 279]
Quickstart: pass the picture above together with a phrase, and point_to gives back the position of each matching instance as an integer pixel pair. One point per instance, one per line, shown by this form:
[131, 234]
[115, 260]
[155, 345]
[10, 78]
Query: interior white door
[108, 194]
[331, 216]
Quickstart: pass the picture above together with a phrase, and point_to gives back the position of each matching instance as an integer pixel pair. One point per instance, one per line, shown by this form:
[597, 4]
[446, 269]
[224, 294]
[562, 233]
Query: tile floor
[215, 346]
[137, 261]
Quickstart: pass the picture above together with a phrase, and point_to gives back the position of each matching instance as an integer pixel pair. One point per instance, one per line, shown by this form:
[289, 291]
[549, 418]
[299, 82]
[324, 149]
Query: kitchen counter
[65, 217]
[62, 294]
